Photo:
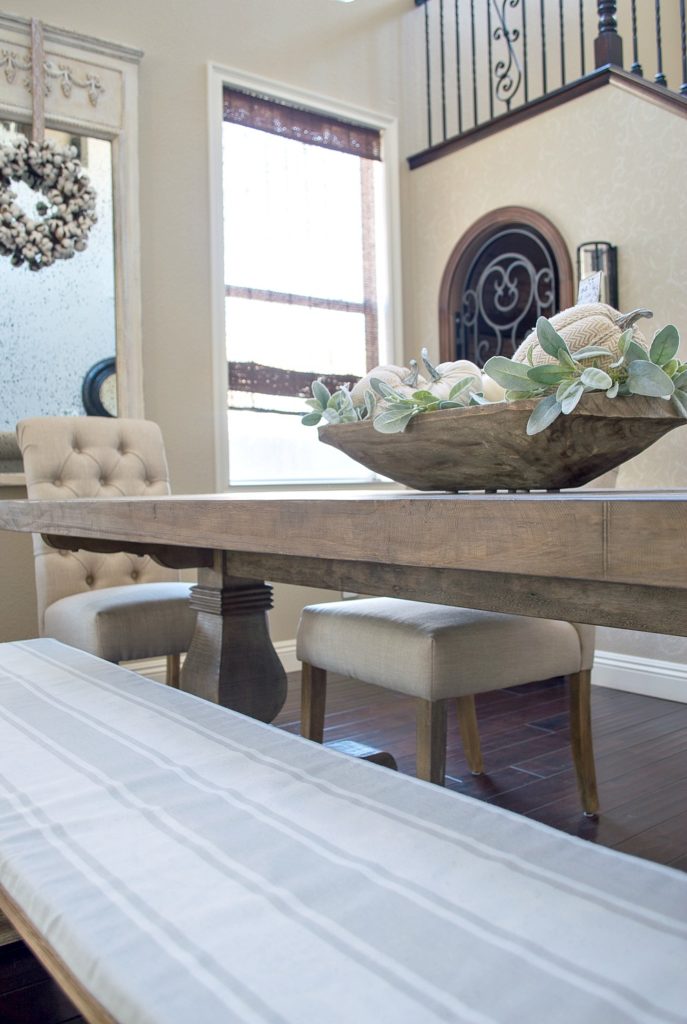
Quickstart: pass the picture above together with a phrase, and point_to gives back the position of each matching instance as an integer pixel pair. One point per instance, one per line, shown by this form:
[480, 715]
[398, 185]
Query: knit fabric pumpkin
[580, 326]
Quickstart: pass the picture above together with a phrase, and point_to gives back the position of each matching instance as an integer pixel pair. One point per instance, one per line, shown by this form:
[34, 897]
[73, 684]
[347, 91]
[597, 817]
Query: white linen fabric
[436, 651]
[190, 864]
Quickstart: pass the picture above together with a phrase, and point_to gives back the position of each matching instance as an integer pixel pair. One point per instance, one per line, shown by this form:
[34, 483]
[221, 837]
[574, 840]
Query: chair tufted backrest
[91, 457]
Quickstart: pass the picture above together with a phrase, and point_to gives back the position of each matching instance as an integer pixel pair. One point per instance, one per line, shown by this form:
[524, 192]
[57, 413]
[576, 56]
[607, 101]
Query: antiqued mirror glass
[57, 322]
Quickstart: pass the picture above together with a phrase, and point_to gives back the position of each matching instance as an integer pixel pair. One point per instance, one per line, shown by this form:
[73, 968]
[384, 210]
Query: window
[304, 294]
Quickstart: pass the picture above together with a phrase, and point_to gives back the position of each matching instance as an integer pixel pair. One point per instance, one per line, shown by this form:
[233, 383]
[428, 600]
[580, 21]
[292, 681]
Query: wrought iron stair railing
[487, 58]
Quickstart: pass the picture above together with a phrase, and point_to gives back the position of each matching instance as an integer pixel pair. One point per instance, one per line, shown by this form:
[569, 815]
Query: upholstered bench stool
[438, 653]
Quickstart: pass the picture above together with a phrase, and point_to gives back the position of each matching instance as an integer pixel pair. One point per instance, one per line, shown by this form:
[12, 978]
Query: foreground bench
[170, 861]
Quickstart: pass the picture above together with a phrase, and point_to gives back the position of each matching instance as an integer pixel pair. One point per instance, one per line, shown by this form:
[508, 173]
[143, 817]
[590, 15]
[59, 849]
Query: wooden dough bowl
[486, 447]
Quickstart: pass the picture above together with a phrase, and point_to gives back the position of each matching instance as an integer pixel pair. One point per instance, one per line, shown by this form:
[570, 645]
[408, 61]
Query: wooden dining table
[610, 558]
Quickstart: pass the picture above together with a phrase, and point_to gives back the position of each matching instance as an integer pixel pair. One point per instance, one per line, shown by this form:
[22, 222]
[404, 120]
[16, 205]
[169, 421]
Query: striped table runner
[192, 865]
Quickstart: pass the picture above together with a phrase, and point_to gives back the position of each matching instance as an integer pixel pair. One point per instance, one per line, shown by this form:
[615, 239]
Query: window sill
[351, 485]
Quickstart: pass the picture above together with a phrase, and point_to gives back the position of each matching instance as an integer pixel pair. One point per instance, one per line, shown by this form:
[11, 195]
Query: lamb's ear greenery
[320, 393]
[543, 414]
[332, 407]
[560, 385]
[510, 375]
[664, 346]
[556, 386]
[549, 338]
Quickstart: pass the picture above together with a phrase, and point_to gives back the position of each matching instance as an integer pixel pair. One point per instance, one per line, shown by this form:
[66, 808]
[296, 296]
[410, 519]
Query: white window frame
[390, 319]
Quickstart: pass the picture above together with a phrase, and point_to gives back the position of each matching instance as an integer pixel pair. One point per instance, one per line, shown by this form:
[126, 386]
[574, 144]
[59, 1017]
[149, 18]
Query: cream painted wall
[608, 165]
[350, 52]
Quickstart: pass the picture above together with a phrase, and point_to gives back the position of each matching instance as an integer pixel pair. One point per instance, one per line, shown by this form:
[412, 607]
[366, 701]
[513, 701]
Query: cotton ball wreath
[67, 216]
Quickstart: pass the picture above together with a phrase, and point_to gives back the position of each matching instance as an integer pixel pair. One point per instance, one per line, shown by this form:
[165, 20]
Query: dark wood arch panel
[471, 243]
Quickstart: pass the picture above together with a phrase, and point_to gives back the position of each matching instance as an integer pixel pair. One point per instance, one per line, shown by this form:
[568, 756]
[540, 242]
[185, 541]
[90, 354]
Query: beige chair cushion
[435, 651]
[109, 622]
[91, 457]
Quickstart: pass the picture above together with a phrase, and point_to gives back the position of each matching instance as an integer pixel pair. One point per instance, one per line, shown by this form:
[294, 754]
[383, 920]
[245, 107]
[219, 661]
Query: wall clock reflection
[99, 390]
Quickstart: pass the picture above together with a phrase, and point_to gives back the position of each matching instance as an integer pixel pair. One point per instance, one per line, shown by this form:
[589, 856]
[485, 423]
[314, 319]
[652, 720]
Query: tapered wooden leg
[432, 719]
[313, 700]
[469, 733]
[173, 670]
[579, 690]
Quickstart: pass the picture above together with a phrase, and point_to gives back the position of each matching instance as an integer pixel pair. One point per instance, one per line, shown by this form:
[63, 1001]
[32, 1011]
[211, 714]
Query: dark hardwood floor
[641, 758]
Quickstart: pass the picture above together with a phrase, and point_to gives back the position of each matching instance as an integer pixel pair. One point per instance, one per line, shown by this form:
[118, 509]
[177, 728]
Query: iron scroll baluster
[508, 72]
[459, 91]
[659, 77]
[636, 67]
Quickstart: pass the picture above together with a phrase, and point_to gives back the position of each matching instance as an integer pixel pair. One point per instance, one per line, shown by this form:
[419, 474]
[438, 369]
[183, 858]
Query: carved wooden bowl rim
[591, 405]
[453, 449]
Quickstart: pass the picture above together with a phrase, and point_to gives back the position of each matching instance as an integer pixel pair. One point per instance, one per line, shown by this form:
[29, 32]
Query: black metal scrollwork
[512, 280]
[507, 72]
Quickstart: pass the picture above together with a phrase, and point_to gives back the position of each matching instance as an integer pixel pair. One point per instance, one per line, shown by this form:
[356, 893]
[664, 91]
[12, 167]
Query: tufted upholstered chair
[438, 654]
[118, 606]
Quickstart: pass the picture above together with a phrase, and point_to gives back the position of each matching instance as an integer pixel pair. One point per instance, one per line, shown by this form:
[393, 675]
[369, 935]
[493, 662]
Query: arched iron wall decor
[509, 268]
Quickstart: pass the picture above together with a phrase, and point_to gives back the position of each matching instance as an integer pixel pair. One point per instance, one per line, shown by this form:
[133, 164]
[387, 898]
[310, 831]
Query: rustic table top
[625, 551]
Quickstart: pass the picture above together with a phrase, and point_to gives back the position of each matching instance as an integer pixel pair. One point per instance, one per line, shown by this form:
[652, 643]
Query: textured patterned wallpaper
[55, 323]
[608, 165]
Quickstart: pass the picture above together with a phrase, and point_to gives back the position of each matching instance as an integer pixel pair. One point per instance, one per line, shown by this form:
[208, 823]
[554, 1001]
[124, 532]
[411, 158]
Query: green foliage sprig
[394, 410]
[655, 372]
[332, 408]
[390, 410]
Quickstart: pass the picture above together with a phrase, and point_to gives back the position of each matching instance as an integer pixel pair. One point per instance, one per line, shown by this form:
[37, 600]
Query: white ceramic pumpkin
[405, 379]
[492, 391]
[445, 376]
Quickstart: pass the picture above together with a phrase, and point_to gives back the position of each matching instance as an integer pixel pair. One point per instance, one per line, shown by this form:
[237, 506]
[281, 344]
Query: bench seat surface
[190, 864]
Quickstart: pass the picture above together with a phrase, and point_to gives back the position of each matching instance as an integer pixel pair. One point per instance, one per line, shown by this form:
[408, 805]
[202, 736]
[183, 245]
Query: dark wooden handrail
[594, 80]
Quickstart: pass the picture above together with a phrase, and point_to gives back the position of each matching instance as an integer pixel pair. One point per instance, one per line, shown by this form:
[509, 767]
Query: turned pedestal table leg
[231, 660]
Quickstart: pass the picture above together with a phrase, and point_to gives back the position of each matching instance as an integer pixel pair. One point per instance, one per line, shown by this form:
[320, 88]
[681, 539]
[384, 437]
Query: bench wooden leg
[432, 721]
[313, 701]
[579, 691]
[173, 670]
[469, 733]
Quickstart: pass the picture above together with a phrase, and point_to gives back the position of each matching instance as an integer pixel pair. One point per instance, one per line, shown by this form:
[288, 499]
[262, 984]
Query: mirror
[57, 323]
[62, 326]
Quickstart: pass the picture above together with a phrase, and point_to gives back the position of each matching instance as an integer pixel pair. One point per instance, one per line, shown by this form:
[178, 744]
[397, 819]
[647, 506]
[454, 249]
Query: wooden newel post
[608, 45]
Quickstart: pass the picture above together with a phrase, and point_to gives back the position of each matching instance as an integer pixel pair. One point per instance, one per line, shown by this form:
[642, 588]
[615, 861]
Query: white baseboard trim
[648, 676]
[155, 668]
[286, 649]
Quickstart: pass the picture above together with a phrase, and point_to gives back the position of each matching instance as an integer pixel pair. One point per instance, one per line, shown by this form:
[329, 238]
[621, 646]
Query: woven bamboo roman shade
[307, 126]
